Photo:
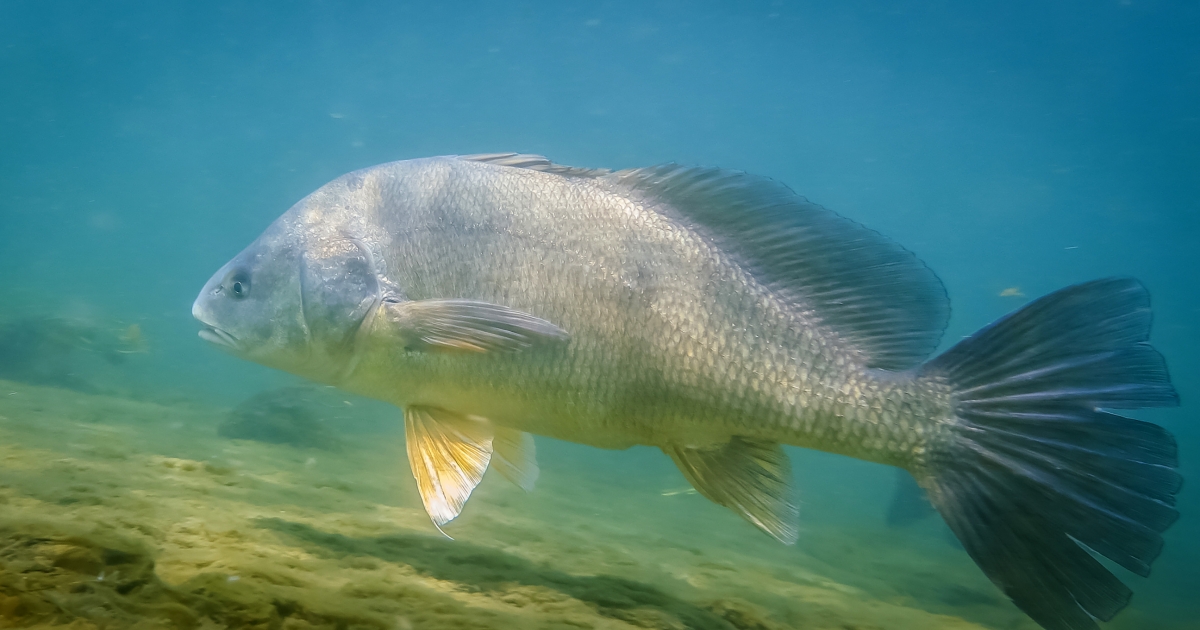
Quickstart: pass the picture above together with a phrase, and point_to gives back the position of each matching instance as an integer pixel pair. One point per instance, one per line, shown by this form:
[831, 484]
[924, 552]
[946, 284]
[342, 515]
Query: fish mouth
[218, 337]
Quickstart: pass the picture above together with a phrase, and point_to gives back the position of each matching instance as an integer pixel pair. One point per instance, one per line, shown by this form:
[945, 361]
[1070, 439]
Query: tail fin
[1035, 473]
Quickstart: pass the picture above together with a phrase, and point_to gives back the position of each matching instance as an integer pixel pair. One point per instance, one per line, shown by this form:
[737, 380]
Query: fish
[718, 316]
[132, 341]
[1012, 292]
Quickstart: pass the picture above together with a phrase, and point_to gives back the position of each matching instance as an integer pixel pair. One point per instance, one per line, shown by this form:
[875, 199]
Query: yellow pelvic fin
[448, 454]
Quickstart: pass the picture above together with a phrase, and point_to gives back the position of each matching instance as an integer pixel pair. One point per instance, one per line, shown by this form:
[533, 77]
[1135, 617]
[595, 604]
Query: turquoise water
[1015, 147]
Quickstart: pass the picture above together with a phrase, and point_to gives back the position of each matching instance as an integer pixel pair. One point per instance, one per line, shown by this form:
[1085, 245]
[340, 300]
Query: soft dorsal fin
[864, 286]
[534, 163]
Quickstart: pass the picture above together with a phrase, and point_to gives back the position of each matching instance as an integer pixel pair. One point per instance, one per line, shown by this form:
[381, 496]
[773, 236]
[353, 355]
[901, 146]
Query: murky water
[148, 480]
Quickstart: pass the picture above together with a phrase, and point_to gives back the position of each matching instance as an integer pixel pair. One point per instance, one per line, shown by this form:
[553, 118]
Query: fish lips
[212, 333]
[218, 337]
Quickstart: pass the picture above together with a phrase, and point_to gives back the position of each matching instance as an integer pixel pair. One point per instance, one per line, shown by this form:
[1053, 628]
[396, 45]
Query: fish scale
[730, 368]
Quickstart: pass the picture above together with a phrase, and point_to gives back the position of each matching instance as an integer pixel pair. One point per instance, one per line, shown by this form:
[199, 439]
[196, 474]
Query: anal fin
[750, 477]
[909, 503]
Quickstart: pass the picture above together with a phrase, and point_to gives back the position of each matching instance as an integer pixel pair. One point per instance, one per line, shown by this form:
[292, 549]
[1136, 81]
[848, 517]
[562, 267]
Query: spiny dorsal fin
[750, 477]
[535, 163]
[864, 286]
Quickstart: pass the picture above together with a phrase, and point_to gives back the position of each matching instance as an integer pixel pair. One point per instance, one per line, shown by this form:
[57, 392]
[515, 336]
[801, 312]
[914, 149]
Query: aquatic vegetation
[148, 519]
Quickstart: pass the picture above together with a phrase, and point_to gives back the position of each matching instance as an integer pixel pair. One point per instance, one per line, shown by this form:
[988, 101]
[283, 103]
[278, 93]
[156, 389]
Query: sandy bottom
[126, 514]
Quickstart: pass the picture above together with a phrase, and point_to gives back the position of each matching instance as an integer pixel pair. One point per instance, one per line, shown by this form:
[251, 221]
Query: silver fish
[715, 315]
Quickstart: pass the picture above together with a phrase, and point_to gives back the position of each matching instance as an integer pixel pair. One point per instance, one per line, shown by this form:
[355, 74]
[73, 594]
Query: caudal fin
[1035, 472]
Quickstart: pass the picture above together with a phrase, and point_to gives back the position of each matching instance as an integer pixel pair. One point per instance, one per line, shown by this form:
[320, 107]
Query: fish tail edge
[1033, 473]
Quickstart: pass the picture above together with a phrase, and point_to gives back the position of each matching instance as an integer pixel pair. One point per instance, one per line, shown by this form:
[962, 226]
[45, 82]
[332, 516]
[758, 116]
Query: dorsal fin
[534, 163]
[864, 286]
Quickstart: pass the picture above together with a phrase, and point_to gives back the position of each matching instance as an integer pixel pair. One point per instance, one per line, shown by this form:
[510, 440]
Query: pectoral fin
[448, 454]
[750, 477]
[467, 326]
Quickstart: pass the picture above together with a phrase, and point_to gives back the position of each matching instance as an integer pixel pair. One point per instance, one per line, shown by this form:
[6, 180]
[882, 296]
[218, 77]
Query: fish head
[252, 306]
[296, 298]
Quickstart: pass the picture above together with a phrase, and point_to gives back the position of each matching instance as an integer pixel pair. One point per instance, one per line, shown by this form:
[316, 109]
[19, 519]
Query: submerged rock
[289, 415]
[51, 578]
[54, 351]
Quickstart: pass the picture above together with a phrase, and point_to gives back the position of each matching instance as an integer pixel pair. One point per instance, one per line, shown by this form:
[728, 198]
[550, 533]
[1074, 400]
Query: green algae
[120, 513]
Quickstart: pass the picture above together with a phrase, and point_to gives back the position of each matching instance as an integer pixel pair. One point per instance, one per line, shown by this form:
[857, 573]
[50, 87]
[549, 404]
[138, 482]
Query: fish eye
[239, 284]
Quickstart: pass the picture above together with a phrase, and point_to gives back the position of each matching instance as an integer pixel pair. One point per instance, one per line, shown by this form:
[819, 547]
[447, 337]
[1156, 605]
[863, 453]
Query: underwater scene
[829, 316]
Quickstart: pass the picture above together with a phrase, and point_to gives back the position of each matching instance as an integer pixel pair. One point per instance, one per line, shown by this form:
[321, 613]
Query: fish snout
[211, 332]
[202, 308]
[198, 309]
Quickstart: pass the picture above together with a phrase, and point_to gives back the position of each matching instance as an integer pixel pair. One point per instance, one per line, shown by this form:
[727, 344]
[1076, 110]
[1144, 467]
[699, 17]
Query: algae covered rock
[290, 415]
[62, 352]
[50, 578]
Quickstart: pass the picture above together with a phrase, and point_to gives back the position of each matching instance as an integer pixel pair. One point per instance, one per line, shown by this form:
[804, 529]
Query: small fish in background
[1012, 292]
[679, 491]
[132, 341]
[115, 343]
[717, 316]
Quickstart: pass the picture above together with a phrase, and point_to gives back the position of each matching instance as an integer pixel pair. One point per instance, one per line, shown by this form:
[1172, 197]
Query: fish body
[670, 343]
[717, 316]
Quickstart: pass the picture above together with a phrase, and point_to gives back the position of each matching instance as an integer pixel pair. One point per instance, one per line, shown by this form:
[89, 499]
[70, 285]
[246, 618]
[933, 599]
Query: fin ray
[1035, 473]
[468, 326]
[861, 284]
[750, 477]
[534, 163]
[448, 454]
[515, 456]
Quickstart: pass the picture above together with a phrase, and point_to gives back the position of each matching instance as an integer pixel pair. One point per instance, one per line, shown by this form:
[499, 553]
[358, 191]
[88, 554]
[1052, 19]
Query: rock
[290, 415]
